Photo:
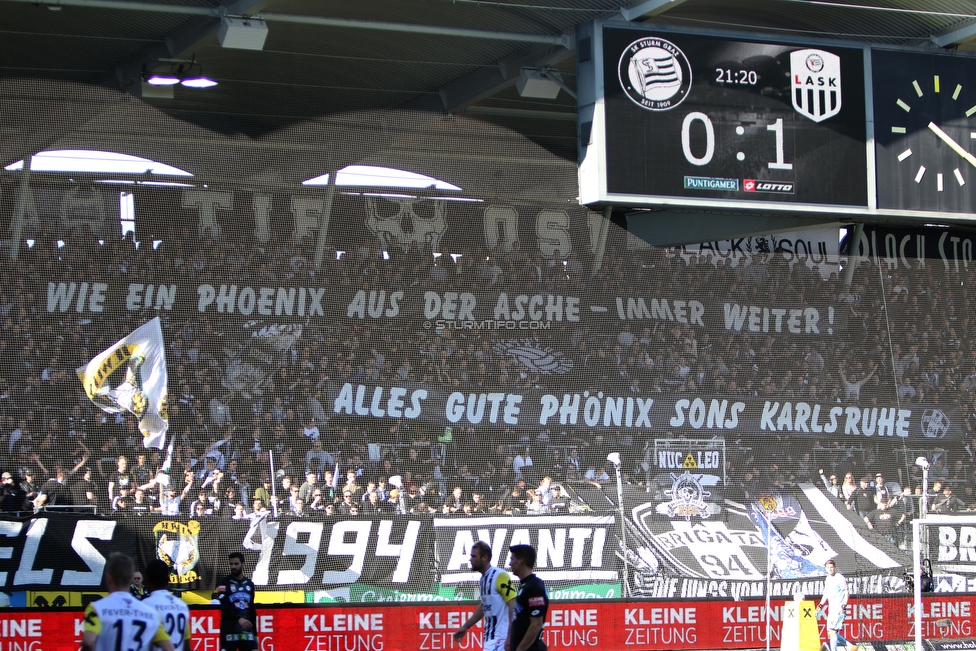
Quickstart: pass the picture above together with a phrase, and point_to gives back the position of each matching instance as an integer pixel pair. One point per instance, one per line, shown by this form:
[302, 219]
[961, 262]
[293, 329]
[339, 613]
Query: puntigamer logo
[654, 73]
[711, 183]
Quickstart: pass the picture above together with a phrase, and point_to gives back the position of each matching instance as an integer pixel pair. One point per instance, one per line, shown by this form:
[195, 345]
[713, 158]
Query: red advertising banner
[648, 625]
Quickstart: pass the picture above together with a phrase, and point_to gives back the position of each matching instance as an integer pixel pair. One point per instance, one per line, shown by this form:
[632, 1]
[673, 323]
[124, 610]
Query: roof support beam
[562, 40]
[648, 9]
[488, 81]
[956, 35]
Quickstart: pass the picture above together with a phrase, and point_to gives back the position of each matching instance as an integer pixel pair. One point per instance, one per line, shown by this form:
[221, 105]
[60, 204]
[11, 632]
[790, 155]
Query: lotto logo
[752, 185]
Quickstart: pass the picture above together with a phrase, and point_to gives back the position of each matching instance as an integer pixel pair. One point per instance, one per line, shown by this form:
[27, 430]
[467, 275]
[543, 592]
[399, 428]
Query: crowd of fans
[902, 338]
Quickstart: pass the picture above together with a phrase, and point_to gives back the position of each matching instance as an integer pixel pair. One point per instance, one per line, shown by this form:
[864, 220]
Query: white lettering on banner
[61, 295]
[357, 549]
[662, 615]
[374, 304]
[476, 402]
[309, 549]
[337, 642]
[552, 545]
[307, 211]
[690, 312]
[440, 620]
[26, 574]
[439, 641]
[403, 552]
[755, 318]
[204, 625]
[937, 630]
[210, 643]
[452, 305]
[658, 635]
[539, 307]
[573, 617]
[716, 548]
[140, 297]
[701, 588]
[962, 549]
[504, 219]
[749, 614]
[883, 421]
[207, 202]
[340, 623]
[84, 530]
[552, 231]
[8, 530]
[674, 460]
[941, 609]
[267, 301]
[567, 638]
[20, 628]
[748, 633]
[620, 412]
[343, 622]
[712, 418]
[353, 402]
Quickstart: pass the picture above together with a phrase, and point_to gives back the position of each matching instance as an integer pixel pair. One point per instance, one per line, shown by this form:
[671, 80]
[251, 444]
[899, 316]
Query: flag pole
[274, 488]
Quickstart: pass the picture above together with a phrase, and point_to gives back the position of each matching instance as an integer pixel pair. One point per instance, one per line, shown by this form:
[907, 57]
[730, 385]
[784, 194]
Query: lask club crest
[815, 84]
[687, 498]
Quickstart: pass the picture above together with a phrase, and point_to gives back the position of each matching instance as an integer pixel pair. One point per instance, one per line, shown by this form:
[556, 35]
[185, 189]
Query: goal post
[918, 541]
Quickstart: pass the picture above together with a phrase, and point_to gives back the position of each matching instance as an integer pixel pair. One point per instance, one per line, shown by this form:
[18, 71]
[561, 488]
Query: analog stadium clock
[925, 129]
[693, 119]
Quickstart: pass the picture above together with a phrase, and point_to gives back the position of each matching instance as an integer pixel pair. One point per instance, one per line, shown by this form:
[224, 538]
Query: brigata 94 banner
[576, 626]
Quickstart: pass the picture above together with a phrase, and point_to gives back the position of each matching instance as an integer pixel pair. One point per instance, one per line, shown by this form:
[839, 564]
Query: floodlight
[922, 462]
[186, 72]
[614, 458]
[162, 80]
[198, 82]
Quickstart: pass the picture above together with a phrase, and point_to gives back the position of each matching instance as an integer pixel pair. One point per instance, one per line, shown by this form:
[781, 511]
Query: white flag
[131, 376]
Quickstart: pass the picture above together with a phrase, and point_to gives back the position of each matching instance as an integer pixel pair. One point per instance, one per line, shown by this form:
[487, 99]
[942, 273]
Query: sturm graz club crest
[655, 73]
[687, 497]
[935, 423]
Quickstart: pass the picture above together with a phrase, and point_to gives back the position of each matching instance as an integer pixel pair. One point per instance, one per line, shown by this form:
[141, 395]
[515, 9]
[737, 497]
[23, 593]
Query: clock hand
[956, 147]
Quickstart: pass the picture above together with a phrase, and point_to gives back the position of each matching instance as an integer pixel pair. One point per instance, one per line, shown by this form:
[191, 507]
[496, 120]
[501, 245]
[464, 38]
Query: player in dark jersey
[531, 604]
[238, 617]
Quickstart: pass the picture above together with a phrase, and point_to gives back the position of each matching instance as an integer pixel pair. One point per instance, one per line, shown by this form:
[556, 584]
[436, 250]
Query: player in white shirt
[173, 612]
[497, 601]
[836, 596]
[120, 621]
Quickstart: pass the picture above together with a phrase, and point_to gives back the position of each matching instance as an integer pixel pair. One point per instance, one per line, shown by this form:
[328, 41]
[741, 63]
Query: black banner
[70, 551]
[570, 548]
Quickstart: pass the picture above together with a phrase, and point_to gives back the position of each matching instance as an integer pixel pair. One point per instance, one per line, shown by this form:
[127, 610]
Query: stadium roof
[324, 58]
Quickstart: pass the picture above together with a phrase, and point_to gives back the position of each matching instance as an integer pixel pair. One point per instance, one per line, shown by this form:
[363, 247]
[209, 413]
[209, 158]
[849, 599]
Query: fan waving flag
[131, 376]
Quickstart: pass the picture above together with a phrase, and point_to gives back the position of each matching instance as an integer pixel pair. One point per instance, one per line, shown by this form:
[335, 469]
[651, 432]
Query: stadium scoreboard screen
[670, 118]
